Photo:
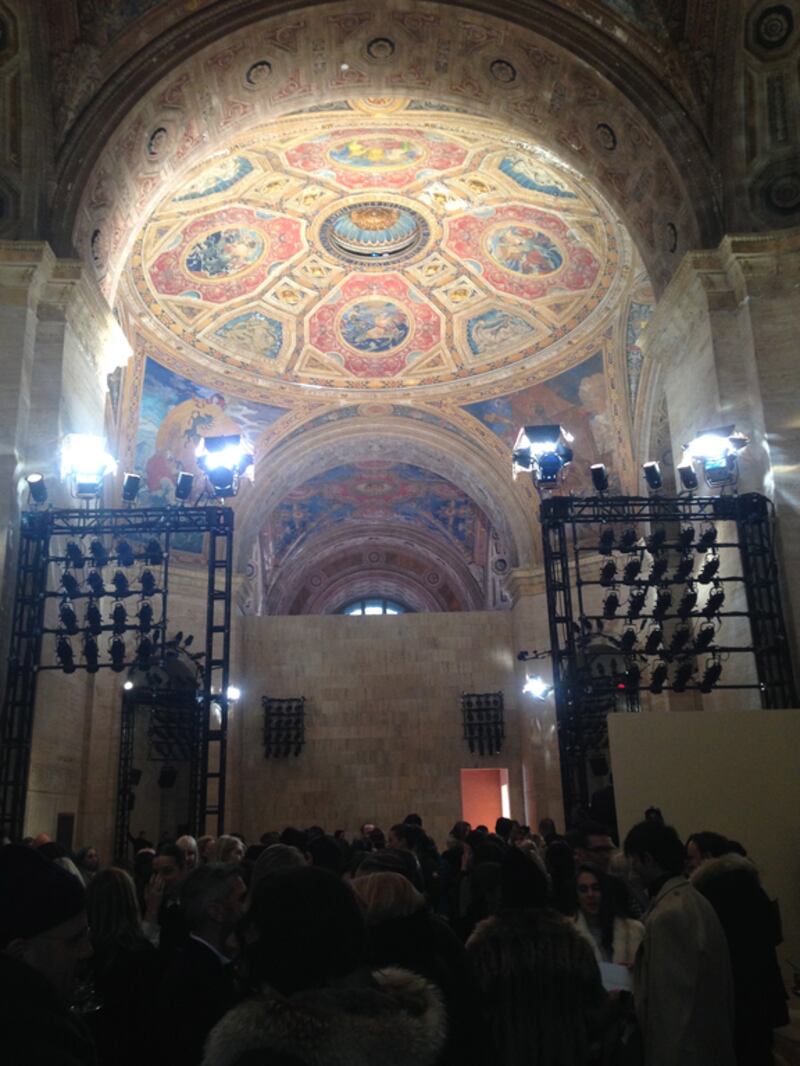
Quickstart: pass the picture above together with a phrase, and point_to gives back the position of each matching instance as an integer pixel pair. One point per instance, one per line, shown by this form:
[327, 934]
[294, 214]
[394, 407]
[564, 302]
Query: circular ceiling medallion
[523, 250]
[503, 71]
[379, 153]
[225, 253]
[374, 233]
[380, 48]
[374, 325]
[774, 26]
[783, 194]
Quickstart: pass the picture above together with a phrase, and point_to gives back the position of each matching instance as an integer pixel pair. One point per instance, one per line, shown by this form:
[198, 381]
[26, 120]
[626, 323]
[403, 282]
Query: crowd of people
[505, 948]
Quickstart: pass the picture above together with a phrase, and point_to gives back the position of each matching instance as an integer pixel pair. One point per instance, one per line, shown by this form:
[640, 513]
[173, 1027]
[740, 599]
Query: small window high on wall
[374, 605]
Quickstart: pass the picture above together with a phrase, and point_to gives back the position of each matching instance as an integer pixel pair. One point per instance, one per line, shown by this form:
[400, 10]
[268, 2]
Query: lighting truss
[284, 726]
[484, 727]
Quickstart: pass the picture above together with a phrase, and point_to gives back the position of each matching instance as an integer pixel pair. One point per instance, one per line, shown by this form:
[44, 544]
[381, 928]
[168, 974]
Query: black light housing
[709, 570]
[145, 616]
[131, 484]
[95, 582]
[656, 541]
[119, 618]
[65, 655]
[120, 583]
[75, 555]
[70, 585]
[658, 677]
[628, 540]
[37, 487]
[599, 476]
[610, 605]
[655, 637]
[94, 620]
[636, 602]
[658, 570]
[153, 553]
[608, 573]
[544, 452]
[117, 651]
[704, 637]
[627, 641]
[716, 598]
[683, 675]
[662, 605]
[125, 556]
[686, 538]
[148, 583]
[91, 654]
[631, 570]
[688, 603]
[184, 485]
[67, 617]
[606, 545]
[681, 636]
[99, 553]
[688, 476]
[652, 475]
[711, 676]
[684, 569]
[707, 539]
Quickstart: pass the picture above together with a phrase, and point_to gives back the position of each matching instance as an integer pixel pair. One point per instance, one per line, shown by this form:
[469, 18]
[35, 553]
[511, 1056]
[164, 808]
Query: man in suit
[199, 987]
[682, 980]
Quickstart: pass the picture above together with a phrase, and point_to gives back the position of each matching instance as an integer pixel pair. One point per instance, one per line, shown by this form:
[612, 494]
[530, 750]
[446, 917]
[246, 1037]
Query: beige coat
[628, 935]
[682, 982]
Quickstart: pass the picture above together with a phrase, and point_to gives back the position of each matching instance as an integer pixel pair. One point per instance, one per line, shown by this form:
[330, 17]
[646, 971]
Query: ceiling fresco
[354, 252]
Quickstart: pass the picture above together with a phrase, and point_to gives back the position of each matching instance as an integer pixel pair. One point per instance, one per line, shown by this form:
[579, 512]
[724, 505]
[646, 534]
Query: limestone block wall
[383, 718]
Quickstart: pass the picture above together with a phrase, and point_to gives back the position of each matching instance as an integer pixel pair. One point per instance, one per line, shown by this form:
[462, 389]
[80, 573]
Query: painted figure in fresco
[526, 174]
[372, 326]
[225, 252]
[375, 152]
[496, 330]
[180, 433]
[222, 175]
[254, 331]
[525, 251]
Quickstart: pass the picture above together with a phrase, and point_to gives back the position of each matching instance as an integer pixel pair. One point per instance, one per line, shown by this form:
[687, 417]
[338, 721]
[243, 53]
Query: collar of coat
[712, 869]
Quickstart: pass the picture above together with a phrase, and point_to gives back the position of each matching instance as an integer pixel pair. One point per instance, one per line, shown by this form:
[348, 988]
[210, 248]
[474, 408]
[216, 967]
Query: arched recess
[572, 88]
[652, 435]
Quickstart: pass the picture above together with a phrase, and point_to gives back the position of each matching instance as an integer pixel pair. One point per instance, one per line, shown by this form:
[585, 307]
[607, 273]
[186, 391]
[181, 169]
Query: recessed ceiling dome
[375, 229]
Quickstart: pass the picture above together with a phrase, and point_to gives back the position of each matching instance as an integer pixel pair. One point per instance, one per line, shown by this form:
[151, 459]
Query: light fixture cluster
[224, 460]
[544, 452]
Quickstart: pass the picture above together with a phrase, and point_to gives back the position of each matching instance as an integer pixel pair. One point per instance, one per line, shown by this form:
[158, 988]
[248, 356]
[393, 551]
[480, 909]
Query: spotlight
[656, 541]
[65, 655]
[120, 583]
[654, 640]
[85, 461]
[37, 488]
[233, 693]
[125, 556]
[687, 604]
[704, 638]
[91, 654]
[130, 487]
[628, 540]
[95, 583]
[658, 677]
[70, 585]
[75, 555]
[709, 571]
[708, 538]
[145, 651]
[686, 538]
[128, 686]
[711, 676]
[713, 604]
[652, 475]
[98, 552]
[606, 545]
[117, 650]
[632, 569]
[145, 617]
[683, 675]
[543, 451]
[599, 476]
[223, 460]
[636, 602]
[688, 476]
[627, 641]
[94, 620]
[610, 605]
[662, 605]
[680, 638]
[184, 485]
[537, 687]
[68, 618]
[119, 618]
[608, 574]
[658, 570]
[153, 554]
[148, 583]
[684, 570]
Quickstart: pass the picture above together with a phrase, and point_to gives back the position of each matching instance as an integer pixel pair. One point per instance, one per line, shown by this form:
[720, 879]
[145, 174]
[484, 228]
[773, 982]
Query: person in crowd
[604, 918]
[229, 849]
[140, 842]
[682, 977]
[199, 986]
[450, 869]
[324, 851]
[44, 937]
[560, 864]
[188, 846]
[547, 829]
[593, 844]
[504, 827]
[126, 970]
[363, 842]
[479, 882]
[731, 884]
[275, 857]
[164, 920]
[403, 837]
[295, 838]
[700, 847]
[88, 863]
[315, 1005]
[206, 849]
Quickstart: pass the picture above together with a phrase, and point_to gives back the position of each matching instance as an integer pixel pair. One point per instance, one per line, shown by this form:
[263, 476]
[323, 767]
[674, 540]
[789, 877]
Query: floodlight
[679, 639]
[70, 585]
[658, 570]
[704, 637]
[233, 693]
[153, 553]
[709, 571]
[128, 686]
[655, 637]
[631, 570]
[94, 620]
[718, 449]
[544, 452]
[95, 583]
[145, 651]
[608, 574]
[658, 677]
[628, 540]
[68, 618]
[652, 475]
[119, 618]
[599, 476]
[75, 555]
[148, 583]
[184, 485]
[684, 569]
[37, 487]
[688, 603]
[707, 538]
[117, 651]
[627, 641]
[636, 602]
[713, 604]
[656, 541]
[686, 538]
[537, 687]
[610, 605]
[711, 676]
[223, 460]
[683, 675]
[688, 475]
[91, 654]
[125, 556]
[99, 553]
[606, 545]
[145, 616]
[130, 487]
[85, 461]
[662, 605]
[120, 583]
[65, 655]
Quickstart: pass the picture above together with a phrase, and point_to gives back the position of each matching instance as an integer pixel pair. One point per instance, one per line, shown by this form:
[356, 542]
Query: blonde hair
[387, 895]
[226, 845]
[112, 909]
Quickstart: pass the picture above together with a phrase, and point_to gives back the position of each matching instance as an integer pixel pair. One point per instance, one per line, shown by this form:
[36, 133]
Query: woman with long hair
[603, 917]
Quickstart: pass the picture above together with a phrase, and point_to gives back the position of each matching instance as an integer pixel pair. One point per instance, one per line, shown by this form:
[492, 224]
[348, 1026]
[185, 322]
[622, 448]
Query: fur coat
[628, 935]
[398, 1021]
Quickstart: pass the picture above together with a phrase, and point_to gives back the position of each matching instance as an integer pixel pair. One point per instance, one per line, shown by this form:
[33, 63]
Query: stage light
[608, 574]
[708, 538]
[610, 605]
[628, 540]
[631, 570]
[120, 583]
[543, 451]
[65, 655]
[153, 553]
[233, 693]
[148, 583]
[709, 570]
[652, 475]
[599, 476]
[627, 641]
[125, 556]
[606, 545]
[75, 555]
[537, 687]
[713, 604]
[70, 585]
[95, 583]
[85, 461]
[91, 654]
[686, 538]
[128, 686]
[658, 677]
[683, 675]
[711, 676]
[688, 476]
[68, 618]
[94, 620]
[636, 602]
[704, 638]
[662, 604]
[684, 569]
[184, 485]
[223, 460]
[656, 541]
[631, 678]
[117, 651]
[681, 636]
[98, 553]
[658, 570]
[130, 487]
[718, 451]
[655, 637]
[37, 488]
[145, 651]
[119, 618]
[145, 616]
[688, 603]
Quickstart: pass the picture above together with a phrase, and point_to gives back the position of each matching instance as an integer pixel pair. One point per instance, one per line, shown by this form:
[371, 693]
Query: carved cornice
[72, 294]
[25, 267]
[524, 582]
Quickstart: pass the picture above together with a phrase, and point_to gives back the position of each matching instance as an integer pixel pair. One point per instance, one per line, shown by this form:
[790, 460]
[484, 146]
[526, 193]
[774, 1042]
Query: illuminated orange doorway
[484, 797]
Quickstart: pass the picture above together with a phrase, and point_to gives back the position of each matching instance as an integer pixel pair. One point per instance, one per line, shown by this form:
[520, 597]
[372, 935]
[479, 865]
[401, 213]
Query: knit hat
[35, 895]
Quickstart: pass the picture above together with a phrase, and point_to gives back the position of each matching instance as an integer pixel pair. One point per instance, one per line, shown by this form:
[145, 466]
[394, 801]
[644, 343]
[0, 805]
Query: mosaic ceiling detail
[357, 251]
